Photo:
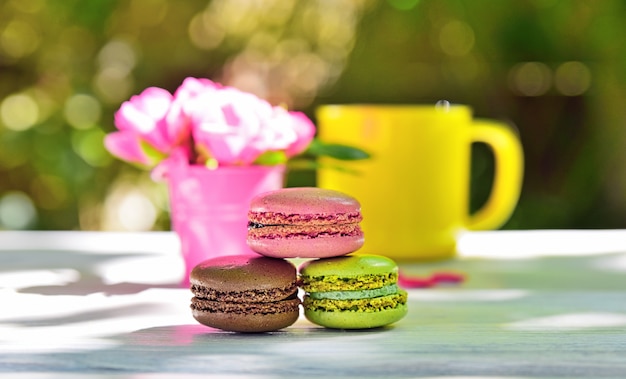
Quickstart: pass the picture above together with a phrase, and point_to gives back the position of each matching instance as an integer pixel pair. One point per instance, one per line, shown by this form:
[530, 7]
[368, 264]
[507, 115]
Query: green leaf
[154, 155]
[307, 164]
[337, 151]
[270, 158]
[211, 163]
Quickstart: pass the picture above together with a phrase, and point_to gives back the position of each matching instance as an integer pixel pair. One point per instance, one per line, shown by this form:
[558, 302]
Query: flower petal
[305, 131]
[153, 101]
[145, 114]
[126, 146]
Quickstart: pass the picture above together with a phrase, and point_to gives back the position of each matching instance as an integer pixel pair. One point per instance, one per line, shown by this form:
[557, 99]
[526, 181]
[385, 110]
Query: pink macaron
[304, 222]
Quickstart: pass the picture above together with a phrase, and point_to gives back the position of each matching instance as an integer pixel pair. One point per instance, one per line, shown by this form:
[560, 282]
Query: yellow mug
[414, 190]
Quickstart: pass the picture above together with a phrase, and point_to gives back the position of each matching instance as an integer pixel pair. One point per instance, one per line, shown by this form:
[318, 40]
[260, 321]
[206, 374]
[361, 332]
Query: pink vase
[209, 208]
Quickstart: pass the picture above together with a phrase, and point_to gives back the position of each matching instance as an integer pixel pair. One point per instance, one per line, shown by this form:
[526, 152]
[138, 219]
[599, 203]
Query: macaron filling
[355, 295]
[289, 304]
[276, 218]
[369, 305]
[301, 232]
[255, 225]
[328, 283]
[260, 295]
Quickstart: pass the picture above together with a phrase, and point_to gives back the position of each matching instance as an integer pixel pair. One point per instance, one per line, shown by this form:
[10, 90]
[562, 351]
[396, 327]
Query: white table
[96, 305]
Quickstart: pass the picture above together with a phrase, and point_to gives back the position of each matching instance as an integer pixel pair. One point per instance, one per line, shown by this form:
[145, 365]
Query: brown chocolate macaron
[242, 293]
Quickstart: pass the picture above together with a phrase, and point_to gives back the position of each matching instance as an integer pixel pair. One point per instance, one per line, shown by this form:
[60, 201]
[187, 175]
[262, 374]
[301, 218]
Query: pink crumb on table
[430, 281]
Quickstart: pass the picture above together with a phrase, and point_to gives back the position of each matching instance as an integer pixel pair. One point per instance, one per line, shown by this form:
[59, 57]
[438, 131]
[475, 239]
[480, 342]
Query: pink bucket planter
[209, 208]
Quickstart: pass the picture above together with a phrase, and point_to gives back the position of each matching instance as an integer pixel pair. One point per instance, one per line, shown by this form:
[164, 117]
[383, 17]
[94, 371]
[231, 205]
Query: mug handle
[509, 170]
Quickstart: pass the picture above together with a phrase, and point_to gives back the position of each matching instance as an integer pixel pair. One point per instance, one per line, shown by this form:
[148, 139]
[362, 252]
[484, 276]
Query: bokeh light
[456, 38]
[89, 145]
[135, 212]
[289, 67]
[552, 68]
[205, 31]
[17, 211]
[128, 206]
[117, 54]
[19, 39]
[82, 111]
[530, 78]
[19, 112]
[114, 81]
[572, 78]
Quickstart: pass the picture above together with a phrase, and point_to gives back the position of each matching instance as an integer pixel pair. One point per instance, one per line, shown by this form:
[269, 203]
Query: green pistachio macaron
[352, 292]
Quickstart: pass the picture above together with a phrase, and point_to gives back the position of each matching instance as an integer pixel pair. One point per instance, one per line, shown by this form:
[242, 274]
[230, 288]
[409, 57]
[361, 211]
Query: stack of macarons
[342, 290]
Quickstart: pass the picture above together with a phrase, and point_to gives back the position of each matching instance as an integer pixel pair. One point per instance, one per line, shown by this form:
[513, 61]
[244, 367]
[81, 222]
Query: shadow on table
[87, 272]
[302, 352]
[298, 351]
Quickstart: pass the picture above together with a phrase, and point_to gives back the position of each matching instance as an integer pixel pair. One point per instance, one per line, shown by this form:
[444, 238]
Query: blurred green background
[556, 69]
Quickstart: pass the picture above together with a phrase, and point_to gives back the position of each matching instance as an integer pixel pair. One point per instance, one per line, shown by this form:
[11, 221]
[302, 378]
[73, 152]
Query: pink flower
[143, 132]
[207, 122]
[233, 127]
[178, 125]
[192, 87]
[226, 123]
[177, 121]
[305, 131]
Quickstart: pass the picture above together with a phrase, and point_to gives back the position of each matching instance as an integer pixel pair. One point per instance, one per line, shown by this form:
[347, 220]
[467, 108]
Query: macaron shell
[242, 273]
[306, 247]
[349, 266]
[356, 320]
[246, 323]
[304, 200]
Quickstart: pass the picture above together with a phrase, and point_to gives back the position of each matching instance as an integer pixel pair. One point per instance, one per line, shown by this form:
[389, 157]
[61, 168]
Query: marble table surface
[535, 304]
